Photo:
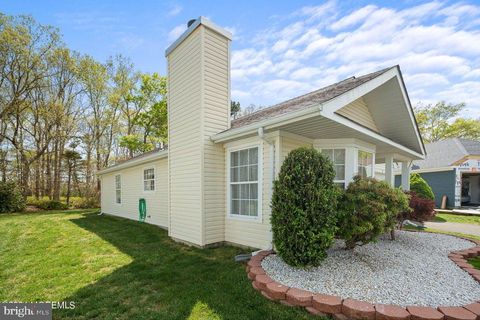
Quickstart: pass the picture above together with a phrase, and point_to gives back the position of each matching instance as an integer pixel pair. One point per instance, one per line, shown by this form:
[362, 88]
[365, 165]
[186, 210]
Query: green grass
[458, 234]
[446, 217]
[475, 262]
[114, 268]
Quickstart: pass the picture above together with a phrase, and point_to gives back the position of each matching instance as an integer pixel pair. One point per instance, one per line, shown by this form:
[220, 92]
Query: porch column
[389, 177]
[406, 175]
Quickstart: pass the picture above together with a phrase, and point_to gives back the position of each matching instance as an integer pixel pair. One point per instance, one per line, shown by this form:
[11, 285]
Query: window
[365, 164]
[118, 189]
[244, 186]
[337, 156]
[149, 179]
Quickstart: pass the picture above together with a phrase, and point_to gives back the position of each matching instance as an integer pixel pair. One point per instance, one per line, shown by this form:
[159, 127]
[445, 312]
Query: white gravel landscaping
[412, 270]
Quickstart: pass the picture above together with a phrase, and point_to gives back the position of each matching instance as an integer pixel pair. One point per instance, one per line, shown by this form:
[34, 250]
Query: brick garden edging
[342, 309]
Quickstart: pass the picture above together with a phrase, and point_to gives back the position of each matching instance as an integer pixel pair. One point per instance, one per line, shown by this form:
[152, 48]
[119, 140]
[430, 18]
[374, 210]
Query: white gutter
[134, 162]
[271, 143]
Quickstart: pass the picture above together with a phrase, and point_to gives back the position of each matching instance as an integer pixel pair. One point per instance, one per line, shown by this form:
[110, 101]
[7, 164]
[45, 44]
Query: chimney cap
[200, 21]
[190, 22]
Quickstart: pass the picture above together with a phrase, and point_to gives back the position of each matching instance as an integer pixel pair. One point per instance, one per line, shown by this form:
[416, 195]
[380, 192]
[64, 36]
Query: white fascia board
[201, 20]
[373, 134]
[409, 108]
[357, 92]
[352, 95]
[135, 162]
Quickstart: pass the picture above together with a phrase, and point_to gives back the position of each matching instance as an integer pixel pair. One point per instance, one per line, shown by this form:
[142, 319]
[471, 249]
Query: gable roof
[315, 97]
[141, 158]
[444, 153]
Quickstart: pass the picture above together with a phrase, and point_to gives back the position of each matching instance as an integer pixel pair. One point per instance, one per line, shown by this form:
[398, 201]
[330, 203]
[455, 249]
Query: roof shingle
[444, 153]
[307, 100]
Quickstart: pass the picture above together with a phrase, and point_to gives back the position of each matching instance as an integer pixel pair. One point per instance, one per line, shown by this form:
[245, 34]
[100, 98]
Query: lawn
[446, 217]
[475, 262]
[114, 268]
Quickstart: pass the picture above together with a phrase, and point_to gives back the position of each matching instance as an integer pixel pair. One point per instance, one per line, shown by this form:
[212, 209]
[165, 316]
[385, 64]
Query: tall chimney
[198, 107]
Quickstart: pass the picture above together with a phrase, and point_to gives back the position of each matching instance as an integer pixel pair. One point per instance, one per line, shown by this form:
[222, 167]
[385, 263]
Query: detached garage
[126, 184]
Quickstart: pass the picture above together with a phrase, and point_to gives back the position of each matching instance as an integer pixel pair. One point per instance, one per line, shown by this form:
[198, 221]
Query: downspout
[271, 143]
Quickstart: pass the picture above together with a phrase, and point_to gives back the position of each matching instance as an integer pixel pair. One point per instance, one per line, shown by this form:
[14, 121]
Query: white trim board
[134, 162]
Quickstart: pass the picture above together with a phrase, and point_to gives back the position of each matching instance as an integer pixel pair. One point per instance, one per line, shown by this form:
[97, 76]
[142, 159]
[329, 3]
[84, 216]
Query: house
[214, 184]
[452, 169]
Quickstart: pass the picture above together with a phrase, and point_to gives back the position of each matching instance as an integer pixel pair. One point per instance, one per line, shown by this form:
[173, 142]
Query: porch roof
[315, 115]
[315, 97]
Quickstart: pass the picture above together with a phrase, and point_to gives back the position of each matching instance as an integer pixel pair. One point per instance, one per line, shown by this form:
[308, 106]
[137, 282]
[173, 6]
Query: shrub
[421, 209]
[368, 209]
[421, 187]
[84, 203]
[52, 205]
[11, 198]
[303, 208]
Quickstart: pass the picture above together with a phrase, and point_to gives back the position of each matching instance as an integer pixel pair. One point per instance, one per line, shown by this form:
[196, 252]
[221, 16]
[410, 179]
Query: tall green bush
[369, 208]
[421, 187]
[303, 208]
[11, 198]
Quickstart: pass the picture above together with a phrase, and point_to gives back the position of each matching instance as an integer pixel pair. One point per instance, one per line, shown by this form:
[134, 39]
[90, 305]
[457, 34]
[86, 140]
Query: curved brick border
[342, 309]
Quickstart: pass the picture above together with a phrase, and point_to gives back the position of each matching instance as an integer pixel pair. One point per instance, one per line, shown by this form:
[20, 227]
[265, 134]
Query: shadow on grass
[51, 212]
[167, 280]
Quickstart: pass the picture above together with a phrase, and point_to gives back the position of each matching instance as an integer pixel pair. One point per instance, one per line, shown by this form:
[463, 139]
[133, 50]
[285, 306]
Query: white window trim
[351, 146]
[372, 152]
[154, 180]
[258, 218]
[344, 181]
[121, 189]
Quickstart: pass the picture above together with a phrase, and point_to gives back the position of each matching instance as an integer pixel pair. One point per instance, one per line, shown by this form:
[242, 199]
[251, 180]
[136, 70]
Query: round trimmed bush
[368, 209]
[421, 187]
[11, 198]
[304, 208]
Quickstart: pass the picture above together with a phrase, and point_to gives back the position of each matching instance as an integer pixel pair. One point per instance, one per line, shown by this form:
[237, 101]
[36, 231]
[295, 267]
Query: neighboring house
[214, 184]
[451, 168]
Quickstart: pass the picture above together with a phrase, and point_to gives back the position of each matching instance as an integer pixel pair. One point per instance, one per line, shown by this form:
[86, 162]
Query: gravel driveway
[412, 270]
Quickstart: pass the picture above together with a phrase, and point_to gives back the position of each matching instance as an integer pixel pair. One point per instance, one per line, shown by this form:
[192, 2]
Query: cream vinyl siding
[184, 108]
[288, 144]
[216, 106]
[248, 232]
[132, 191]
[256, 233]
[358, 111]
[199, 101]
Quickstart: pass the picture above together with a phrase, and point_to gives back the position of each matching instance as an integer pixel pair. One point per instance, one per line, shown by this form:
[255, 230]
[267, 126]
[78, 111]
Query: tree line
[65, 115]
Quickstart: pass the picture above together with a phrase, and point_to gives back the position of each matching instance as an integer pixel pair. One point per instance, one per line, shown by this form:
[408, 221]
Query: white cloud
[436, 44]
[175, 10]
[352, 19]
[176, 32]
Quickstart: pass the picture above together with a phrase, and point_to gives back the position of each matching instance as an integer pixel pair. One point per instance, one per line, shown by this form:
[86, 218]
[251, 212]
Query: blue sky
[282, 49]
